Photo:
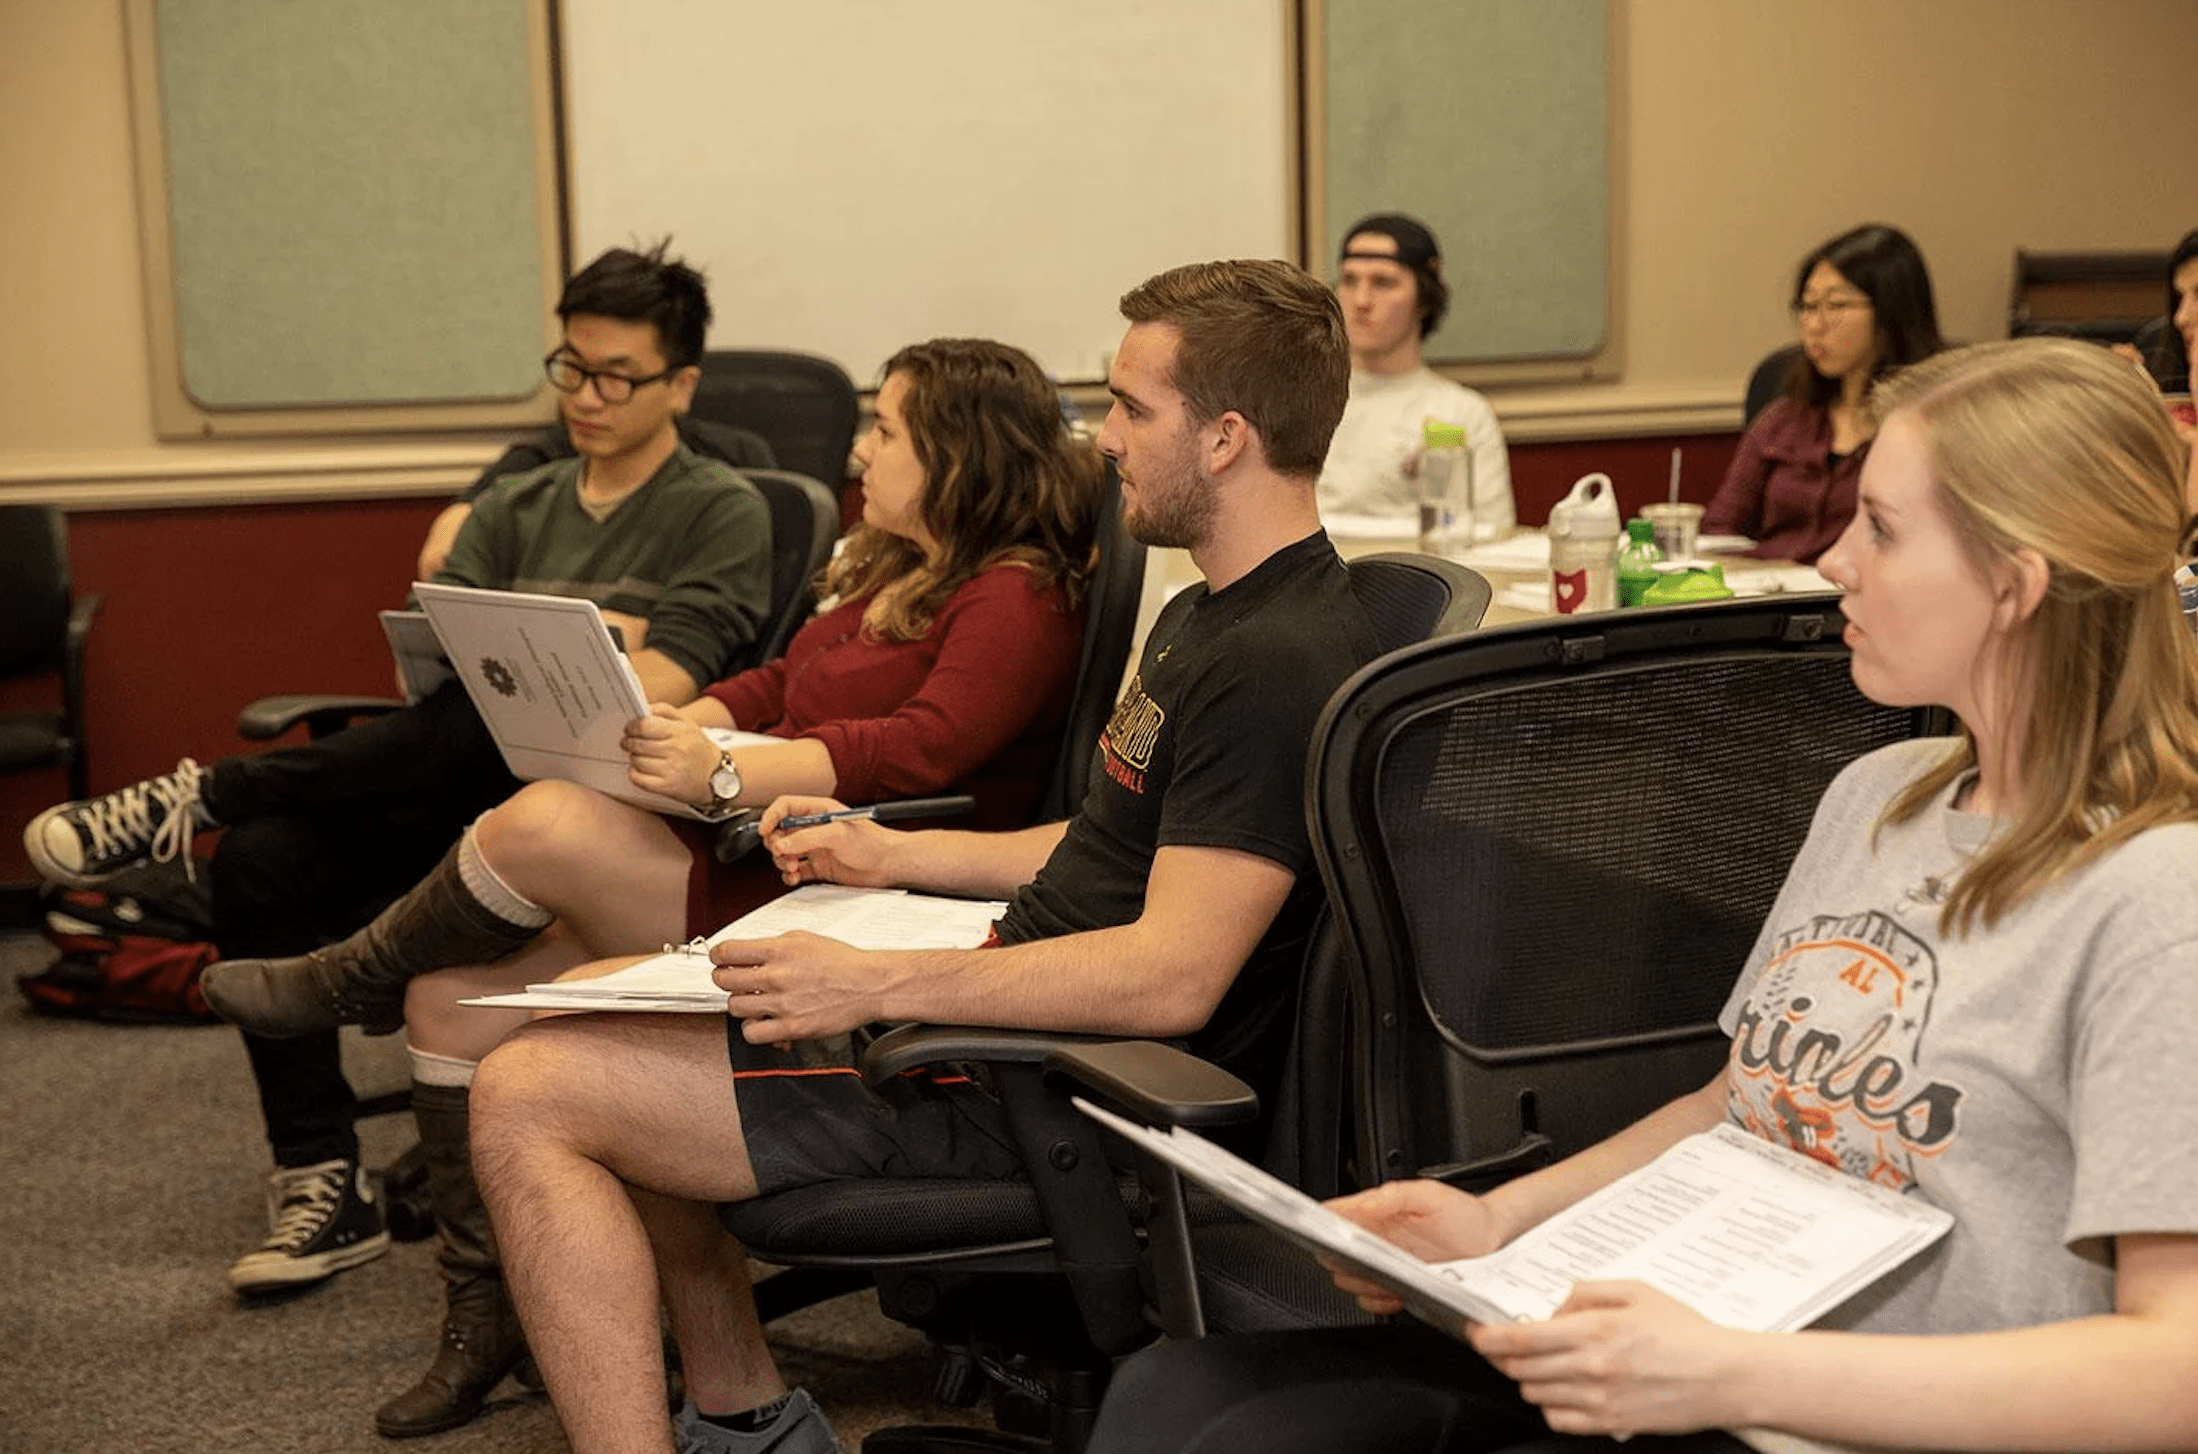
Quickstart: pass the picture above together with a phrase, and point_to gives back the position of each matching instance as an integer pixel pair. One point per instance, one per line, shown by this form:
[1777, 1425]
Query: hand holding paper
[670, 755]
[1433, 1222]
[798, 986]
[1621, 1358]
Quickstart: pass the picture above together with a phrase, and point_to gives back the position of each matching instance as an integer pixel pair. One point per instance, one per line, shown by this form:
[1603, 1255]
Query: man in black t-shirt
[1175, 904]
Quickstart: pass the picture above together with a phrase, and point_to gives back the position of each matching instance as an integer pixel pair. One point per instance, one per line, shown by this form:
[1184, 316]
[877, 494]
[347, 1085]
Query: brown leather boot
[361, 980]
[481, 1337]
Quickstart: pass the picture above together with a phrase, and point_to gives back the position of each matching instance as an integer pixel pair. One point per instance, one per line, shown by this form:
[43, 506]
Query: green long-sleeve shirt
[690, 550]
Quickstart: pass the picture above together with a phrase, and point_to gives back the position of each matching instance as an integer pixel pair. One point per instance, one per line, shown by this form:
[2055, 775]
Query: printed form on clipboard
[552, 686]
[678, 980]
[1748, 1234]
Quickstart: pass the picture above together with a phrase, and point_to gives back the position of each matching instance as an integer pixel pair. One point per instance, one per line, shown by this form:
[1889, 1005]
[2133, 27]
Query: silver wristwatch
[724, 783]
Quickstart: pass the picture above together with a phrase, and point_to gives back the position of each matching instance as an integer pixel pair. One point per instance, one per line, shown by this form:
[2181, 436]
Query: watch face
[725, 782]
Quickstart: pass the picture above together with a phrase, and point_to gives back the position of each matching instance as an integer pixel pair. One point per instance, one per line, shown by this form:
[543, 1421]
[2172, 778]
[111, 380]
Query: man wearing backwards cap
[1389, 281]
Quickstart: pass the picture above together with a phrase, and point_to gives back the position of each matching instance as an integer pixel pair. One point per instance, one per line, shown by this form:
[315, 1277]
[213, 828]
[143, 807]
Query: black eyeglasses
[566, 376]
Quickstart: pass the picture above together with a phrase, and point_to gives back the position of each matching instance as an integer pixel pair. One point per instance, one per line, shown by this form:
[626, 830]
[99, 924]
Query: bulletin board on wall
[351, 212]
[853, 176]
[1492, 121]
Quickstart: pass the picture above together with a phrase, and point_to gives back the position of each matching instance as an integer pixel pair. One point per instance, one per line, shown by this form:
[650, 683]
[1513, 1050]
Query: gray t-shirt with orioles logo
[2034, 1078]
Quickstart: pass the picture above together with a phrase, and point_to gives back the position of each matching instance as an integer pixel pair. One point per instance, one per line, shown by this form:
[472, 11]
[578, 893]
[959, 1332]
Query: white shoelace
[300, 1200]
[125, 816]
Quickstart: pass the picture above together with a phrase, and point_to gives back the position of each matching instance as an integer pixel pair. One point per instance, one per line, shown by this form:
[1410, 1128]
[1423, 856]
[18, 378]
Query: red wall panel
[1640, 469]
[203, 610]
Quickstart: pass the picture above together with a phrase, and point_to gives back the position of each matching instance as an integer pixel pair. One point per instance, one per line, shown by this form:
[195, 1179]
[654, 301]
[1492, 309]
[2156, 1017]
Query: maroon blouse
[975, 705]
[1786, 491]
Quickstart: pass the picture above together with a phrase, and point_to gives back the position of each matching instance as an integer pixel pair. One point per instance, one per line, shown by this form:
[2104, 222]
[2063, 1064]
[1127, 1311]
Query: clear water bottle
[1446, 489]
[1637, 560]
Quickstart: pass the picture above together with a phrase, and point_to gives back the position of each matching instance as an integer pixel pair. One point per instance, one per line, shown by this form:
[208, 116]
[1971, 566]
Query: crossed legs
[614, 875]
[602, 1143]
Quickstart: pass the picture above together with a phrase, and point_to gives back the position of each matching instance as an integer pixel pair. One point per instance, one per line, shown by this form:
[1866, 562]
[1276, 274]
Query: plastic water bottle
[1446, 489]
[1637, 560]
[1583, 547]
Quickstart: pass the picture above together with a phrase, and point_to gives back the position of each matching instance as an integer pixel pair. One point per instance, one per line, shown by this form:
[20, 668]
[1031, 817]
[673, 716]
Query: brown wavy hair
[2060, 448]
[1003, 481]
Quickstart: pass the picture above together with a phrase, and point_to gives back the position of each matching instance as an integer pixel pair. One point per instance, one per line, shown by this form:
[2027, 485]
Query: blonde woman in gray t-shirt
[1979, 985]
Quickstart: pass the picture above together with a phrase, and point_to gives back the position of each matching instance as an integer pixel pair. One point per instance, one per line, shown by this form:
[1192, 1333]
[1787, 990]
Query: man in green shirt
[672, 546]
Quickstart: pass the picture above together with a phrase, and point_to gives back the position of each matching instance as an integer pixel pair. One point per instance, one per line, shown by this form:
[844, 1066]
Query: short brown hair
[1263, 338]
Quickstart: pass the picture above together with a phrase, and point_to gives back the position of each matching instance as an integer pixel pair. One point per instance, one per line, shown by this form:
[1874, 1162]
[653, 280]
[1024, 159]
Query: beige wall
[1757, 128]
[75, 416]
[1751, 129]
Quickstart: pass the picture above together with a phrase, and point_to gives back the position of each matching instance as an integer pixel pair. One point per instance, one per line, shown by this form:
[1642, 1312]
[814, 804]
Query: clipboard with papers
[678, 980]
[1748, 1234]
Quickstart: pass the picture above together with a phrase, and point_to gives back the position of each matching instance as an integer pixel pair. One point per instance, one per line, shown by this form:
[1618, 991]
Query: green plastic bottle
[1637, 560]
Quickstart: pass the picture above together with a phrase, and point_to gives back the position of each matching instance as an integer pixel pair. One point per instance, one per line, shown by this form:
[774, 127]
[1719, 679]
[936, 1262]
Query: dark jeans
[1392, 1388]
[317, 840]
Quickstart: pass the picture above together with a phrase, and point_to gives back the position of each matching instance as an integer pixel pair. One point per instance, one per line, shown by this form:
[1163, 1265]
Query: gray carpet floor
[134, 1169]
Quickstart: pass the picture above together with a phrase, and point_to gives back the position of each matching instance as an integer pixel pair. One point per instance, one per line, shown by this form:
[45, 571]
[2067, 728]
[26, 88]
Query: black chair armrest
[1155, 1083]
[1160, 1084]
[911, 1047]
[270, 717]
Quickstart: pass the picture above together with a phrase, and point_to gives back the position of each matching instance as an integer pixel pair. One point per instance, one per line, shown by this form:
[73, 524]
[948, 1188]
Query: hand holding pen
[818, 840]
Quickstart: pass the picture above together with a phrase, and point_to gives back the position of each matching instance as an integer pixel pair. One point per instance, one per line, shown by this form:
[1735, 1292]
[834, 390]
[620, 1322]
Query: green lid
[1686, 583]
[1437, 435]
[1640, 532]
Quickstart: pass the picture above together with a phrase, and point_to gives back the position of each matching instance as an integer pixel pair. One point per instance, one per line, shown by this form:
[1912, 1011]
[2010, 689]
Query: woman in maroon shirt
[942, 659]
[1862, 303]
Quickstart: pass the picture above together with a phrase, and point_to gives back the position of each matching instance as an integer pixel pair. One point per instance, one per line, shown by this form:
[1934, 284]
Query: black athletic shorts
[808, 1117]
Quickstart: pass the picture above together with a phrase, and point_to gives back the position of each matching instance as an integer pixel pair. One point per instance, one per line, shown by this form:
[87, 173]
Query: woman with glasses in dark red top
[1862, 303]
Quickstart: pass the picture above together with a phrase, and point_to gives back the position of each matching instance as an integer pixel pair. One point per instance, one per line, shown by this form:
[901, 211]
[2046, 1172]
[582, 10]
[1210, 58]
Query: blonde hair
[2060, 448]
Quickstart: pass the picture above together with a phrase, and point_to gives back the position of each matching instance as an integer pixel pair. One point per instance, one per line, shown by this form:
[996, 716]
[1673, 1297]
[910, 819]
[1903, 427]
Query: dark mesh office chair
[1409, 597]
[1551, 846]
[805, 522]
[42, 634]
[1035, 1285]
[805, 407]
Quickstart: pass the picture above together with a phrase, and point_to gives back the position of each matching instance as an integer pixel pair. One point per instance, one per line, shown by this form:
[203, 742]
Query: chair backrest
[1110, 622]
[1409, 597]
[804, 406]
[1550, 847]
[34, 587]
[805, 520]
[1767, 382]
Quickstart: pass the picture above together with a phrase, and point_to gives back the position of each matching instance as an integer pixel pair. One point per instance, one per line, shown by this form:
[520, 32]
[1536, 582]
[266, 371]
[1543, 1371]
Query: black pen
[884, 812]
